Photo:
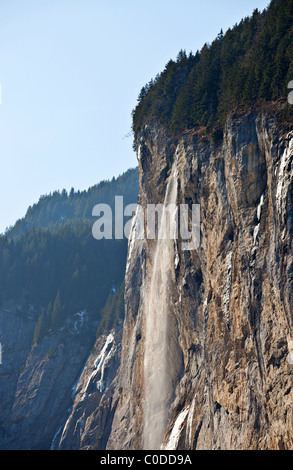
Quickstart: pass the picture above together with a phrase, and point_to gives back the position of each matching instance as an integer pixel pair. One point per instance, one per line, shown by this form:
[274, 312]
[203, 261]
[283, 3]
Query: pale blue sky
[71, 71]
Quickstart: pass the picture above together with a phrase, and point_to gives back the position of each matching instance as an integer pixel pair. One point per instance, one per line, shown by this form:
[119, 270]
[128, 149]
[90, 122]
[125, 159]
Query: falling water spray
[157, 376]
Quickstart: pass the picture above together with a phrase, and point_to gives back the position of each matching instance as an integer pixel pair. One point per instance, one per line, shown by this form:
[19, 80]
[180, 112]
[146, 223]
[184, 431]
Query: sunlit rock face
[205, 361]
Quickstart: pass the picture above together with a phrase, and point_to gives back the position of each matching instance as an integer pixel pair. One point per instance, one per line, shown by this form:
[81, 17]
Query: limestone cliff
[229, 302]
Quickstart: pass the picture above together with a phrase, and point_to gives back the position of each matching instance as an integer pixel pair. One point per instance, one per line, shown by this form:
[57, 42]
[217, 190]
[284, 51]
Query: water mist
[157, 374]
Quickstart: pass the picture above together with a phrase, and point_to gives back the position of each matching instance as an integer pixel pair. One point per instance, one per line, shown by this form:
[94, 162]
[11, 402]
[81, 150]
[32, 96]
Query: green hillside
[53, 267]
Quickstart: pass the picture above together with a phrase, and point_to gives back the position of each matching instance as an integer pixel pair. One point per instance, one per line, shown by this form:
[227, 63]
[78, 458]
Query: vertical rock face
[36, 379]
[89, 422]
[226, 340]
[16, 336]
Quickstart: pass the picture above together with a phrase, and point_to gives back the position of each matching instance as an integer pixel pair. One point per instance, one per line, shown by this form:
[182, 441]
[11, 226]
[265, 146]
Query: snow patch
[255, 233]
[177, 259]
[259, 207]
[100, 363]
[176, 431]
[139, 153]
[99, 360]
[258, 213]
[78, 324]
[136, 232]
[283, 178]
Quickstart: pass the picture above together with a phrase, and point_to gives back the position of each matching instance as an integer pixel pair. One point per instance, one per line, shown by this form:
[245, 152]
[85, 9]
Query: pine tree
[247, 65]
[40, 328]
[57, 310]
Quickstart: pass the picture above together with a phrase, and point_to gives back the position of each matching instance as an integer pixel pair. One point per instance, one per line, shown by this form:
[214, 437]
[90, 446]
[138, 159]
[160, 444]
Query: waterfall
[157, 373]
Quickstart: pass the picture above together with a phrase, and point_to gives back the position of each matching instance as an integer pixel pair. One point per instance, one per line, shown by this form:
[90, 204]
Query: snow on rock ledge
[176, 431]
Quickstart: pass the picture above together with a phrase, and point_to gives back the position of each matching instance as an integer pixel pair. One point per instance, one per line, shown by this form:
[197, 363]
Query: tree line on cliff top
[252, 63]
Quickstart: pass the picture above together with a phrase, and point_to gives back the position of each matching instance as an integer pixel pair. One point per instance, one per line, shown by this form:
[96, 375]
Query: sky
[70, 74]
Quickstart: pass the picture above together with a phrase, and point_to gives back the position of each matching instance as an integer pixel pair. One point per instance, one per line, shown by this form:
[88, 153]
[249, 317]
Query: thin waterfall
[157, 377]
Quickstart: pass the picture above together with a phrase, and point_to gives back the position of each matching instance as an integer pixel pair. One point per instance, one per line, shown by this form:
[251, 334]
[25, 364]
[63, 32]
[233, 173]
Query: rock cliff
[204, 360]
[36, 380]
[221, 315]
